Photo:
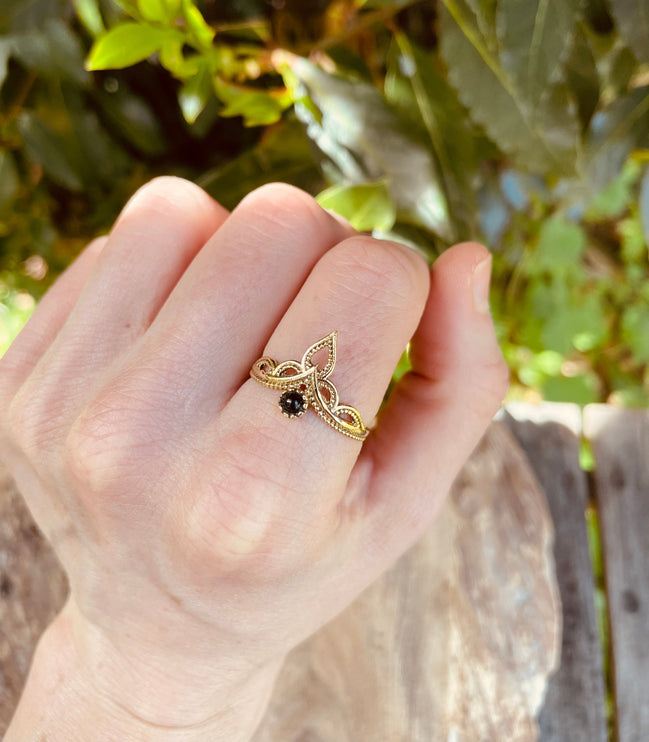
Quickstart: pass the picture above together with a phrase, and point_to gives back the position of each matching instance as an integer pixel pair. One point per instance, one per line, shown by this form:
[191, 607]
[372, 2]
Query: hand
[204, 534]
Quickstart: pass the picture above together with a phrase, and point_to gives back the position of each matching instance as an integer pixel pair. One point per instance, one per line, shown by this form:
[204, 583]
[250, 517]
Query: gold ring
[307, 385]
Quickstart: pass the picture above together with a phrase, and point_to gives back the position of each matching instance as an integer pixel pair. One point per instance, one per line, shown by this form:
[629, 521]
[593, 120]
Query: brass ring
[306, 385]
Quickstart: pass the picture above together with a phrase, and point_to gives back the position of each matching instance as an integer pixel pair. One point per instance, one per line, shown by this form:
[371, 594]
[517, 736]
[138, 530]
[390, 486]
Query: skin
[203, 533]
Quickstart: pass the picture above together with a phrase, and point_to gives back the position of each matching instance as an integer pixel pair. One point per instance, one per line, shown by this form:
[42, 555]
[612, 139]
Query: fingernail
[480, 280]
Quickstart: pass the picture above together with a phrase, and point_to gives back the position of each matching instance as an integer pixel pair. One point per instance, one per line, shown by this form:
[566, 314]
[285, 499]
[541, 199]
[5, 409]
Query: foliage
[520, 123]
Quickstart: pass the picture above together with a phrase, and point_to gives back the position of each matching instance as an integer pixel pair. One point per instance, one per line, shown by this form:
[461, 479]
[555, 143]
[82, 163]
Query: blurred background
[520, 123]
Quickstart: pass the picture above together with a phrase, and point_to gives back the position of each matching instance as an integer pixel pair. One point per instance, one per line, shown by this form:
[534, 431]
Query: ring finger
[373, 293]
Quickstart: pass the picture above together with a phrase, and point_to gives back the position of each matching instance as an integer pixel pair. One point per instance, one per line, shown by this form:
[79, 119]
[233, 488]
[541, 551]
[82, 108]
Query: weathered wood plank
[455, 642]
[574, 707]
[32, 589]
[620, 441]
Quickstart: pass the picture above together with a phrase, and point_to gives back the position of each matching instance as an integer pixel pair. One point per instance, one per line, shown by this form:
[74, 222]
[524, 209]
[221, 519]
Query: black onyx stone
[292, 403]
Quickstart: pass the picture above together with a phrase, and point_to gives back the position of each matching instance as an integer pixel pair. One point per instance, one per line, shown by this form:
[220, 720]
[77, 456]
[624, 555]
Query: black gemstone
[292, 403]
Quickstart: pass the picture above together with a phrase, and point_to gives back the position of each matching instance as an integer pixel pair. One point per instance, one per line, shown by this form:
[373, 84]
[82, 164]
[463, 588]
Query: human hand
[204, 534]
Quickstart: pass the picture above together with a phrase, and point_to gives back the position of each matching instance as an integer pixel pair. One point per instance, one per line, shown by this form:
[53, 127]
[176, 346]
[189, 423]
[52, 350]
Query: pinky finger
[46, 321]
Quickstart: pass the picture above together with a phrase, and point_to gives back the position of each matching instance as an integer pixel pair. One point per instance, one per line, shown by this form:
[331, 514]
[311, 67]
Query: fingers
[233, 295]
[372, 293]
[47, 319]
[158, 233]
[439, 411]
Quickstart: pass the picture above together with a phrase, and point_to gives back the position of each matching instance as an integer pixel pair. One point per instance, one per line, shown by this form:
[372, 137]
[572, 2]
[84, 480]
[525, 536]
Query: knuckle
[244, 520]
[168, 193]
[492, 384]
[383, 266]
[31, 421]
[110, 449]
[289, 207]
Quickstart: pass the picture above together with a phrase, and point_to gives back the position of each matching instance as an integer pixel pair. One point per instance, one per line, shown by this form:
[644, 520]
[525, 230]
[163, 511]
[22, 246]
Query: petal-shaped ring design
[305, 384]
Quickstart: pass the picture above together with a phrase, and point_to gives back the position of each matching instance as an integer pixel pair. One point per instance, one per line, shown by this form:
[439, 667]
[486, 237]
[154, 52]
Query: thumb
[439, 410]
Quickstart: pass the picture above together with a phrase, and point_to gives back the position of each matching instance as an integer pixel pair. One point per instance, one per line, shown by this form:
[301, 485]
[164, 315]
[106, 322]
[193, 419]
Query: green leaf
[634, 245]
[6, 49]
[284, 153]
[128, 44]
[200, 31]
[632, 20]
[644, 204]
[616, 198]
[613, 133]
[9, 181]
[366, 207]
[173, 59]
[635, 331]
[195, 93]
[159, 11]
[32, 15]
[541, 135]
[580, 389]
[258, 107]
[54, 52]
[582, 77]
[89, 14]
[367, 141]
[416, 86]
[44, 146]
[535, 39]
[581, 323]
[131, 118]
[561, 244]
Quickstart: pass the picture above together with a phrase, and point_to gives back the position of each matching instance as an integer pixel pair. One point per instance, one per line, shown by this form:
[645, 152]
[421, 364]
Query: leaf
[613, 133]
[128, 44]
[53, 52]
[561, 244]
[9, 181]
[415, 84]
[616, 198]
[632, 20]
[32, 15]
[635, 331]
[542, 134]
[367, 141]
[284, 153]
[258, 107]
[89, 14]
[581, 389]
[367, 206]
[132, 119]
[200, 31]
[44, 146]
[195, 93]
[6, 48]
[643, 204]
[535, 38]
[159, 11]
[582, 77]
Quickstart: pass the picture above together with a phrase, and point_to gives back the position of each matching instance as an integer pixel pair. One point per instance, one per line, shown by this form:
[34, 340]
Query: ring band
[306, 384]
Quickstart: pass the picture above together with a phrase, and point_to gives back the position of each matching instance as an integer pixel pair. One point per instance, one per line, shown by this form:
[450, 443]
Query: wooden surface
[453, 644]
[620, 442]
[32, 587]
[574, 707]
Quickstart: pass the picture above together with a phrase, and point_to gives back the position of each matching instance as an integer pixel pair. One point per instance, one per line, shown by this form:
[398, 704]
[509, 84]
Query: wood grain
[32, 589]
[620, 441]
[455, 642]
[574, 708]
